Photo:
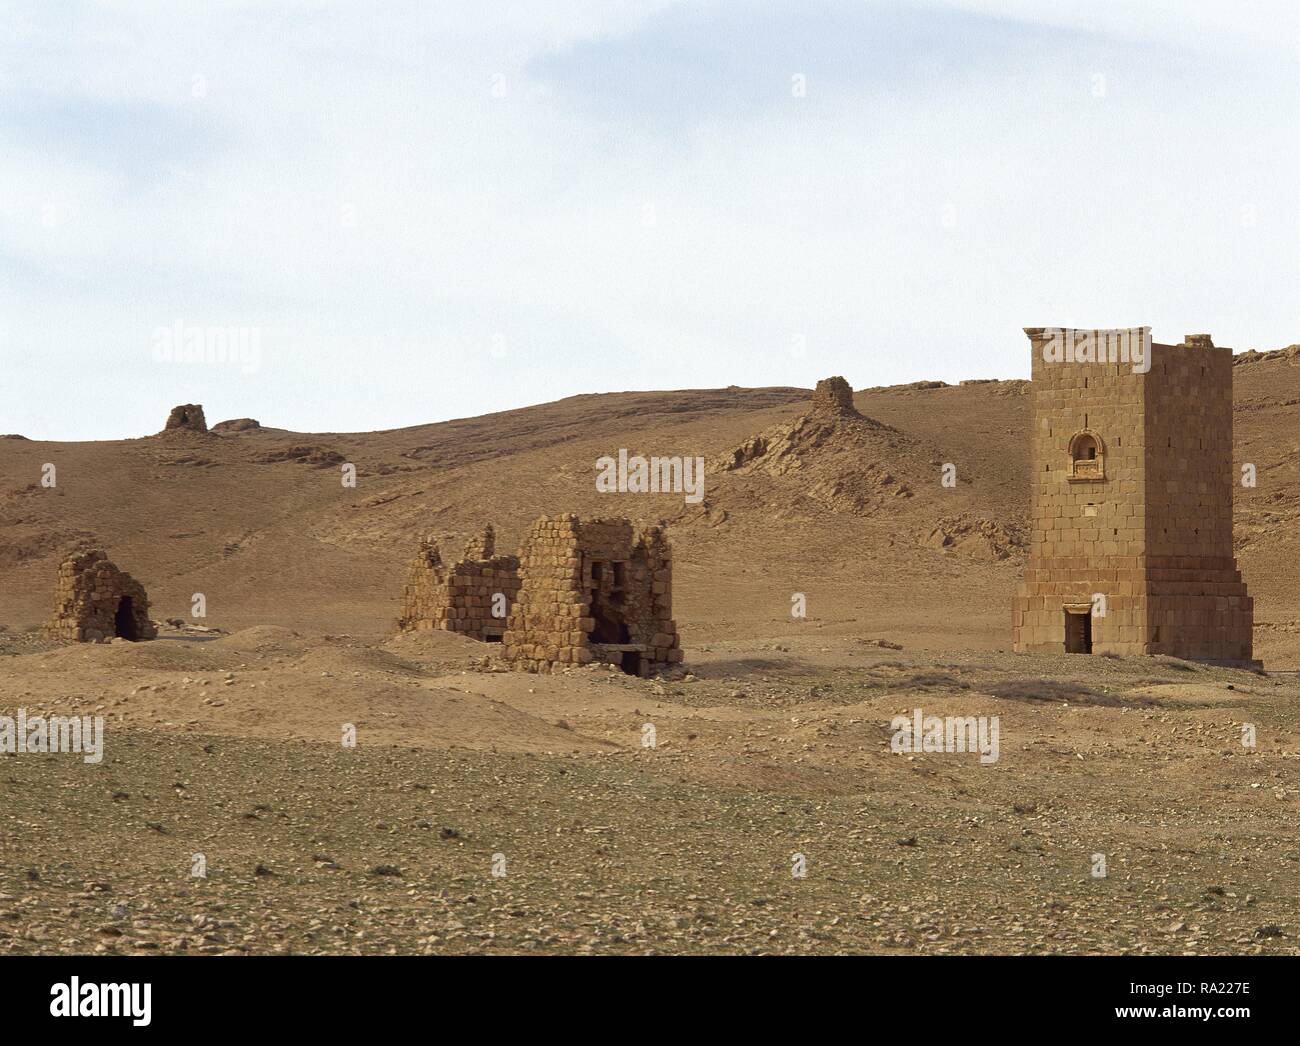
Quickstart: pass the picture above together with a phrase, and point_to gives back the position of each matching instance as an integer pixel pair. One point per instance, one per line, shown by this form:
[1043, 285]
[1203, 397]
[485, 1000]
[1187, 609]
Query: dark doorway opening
[608, 610]
[1078, 633]
[606, 596]
[610, 626]
[124, 620]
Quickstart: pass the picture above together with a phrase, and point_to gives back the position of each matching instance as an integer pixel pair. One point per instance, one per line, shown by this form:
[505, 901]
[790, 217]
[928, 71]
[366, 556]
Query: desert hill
[776, 740]
[850, 511]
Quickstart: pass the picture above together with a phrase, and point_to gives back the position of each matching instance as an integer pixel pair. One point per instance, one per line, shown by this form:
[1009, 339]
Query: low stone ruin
[95, 602]
[579, 593]
[471, 597]
[598, 591]
[187, 416]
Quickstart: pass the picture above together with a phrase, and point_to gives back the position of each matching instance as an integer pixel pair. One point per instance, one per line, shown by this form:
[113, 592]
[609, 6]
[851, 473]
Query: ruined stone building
[599, 591]
[471, 597]
[1131, 546]
[834, 397]
[94, 601]
[578, 593]
[187, 416]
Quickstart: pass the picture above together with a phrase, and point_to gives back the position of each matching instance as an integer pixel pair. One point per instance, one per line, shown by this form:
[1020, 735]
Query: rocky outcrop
[237, 425]
[311, 455]
[1291, 352]
[846, 461]
[977, 537]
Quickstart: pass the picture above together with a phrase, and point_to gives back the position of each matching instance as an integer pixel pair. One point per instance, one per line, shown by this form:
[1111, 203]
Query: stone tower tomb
[1131, 500]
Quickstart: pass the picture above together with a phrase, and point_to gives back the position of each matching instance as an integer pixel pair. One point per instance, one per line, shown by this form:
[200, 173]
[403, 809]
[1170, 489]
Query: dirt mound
[817, 434]
[265, 639]
[155, 656]
[440, 651]
[346, 657]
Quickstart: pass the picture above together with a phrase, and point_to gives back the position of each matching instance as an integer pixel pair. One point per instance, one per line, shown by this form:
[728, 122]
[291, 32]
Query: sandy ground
[766, 749]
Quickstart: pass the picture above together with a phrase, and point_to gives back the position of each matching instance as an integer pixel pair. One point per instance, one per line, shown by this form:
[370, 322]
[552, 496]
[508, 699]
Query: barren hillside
[259, 521]
[774, 742]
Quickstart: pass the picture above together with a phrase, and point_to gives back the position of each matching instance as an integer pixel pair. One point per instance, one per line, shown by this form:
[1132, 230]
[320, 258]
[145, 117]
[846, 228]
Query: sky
[351, 216]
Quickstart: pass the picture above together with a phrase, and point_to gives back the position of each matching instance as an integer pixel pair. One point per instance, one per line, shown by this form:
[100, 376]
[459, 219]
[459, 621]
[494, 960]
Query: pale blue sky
[433, 210]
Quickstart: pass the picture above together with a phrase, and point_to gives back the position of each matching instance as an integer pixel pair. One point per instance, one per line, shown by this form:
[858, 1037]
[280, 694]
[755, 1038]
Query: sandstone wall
[1149, 525]
[89, 602]
[1198, 606]
[187, 416]
[462, 597]
[594, 591]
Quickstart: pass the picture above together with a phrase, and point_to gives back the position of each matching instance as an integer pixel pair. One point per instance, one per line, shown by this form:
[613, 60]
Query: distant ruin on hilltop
[834, 396]
[187, 416]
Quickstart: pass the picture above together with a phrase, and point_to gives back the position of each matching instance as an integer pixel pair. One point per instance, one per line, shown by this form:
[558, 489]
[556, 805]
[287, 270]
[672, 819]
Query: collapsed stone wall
[483, 545]
[471, 597]
[95, 601]
[598, 591]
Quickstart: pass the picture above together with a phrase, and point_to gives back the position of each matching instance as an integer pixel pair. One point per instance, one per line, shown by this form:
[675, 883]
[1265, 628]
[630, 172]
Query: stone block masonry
[95, 602]
[1132, 505]
[599, 591]
[462, 597]
[187, 416]
[833, 397]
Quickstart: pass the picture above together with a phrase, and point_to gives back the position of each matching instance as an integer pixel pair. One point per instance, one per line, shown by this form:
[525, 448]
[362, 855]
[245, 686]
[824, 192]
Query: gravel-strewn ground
[689, 847]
